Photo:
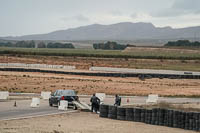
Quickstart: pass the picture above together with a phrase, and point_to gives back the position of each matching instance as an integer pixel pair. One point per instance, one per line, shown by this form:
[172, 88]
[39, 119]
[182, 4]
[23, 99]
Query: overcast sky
[22, 17]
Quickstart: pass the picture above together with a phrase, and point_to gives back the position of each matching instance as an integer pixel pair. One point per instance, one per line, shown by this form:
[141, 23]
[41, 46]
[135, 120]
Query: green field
[138, 53]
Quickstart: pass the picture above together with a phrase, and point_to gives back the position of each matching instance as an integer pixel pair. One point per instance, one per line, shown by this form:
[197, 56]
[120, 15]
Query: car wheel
[74, 107]
[50, 104]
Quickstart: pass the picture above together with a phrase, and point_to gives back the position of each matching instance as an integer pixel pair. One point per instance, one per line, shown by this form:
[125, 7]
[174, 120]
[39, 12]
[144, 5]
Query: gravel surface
[81, 123]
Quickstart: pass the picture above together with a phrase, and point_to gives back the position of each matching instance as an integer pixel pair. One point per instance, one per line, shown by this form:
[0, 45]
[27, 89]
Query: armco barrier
[155, 116]
[104, 74]
[37, 66]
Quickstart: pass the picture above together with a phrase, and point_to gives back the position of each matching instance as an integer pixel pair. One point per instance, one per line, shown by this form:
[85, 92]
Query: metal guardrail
[142, 76]
[37, 66]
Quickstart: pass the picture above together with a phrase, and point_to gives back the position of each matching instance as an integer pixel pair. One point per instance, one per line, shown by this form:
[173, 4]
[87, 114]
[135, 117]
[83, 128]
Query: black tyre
[112, 112]
[50, 104]
[75, 107]
[104, 111]
[129, 114]
[121, 113]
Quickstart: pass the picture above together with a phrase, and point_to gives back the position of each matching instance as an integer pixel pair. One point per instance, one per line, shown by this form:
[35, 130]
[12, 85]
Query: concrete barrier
[153, 98]
[101, 96]
[37, 66]
[35, 102]
[4, 95]
[45, 95]
[63, 105]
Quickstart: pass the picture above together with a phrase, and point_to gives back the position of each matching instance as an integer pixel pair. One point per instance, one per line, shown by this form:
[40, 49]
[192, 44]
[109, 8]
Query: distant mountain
[119, 31]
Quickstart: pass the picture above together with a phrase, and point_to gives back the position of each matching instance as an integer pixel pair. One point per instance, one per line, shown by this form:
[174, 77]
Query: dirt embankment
[37, 82]
[86, 62]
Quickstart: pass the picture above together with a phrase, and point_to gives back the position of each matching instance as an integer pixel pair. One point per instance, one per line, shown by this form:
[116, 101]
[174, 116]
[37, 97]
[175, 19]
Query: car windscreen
[68, 93]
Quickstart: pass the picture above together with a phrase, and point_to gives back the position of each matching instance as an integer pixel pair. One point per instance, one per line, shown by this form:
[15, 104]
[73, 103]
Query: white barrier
[101, 96]
[63, 105]
[146, 71]
[35, 102]
[45, 95]
[4, 95]
[153, 98]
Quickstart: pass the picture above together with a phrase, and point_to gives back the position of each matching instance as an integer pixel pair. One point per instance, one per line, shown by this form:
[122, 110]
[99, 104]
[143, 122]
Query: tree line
[182, 43]
[32, 44]
[110, 46]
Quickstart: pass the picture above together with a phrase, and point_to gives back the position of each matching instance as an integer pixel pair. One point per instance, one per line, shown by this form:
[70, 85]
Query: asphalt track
[23, 110]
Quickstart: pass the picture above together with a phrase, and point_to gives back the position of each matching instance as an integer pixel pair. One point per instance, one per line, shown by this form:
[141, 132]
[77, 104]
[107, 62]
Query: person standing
[117, 100]
[95, 103]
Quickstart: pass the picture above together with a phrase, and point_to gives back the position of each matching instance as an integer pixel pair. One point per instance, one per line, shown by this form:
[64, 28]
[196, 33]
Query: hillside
[119, 31]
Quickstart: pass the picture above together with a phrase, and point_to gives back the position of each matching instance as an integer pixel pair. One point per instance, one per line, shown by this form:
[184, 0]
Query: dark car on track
[68, 95]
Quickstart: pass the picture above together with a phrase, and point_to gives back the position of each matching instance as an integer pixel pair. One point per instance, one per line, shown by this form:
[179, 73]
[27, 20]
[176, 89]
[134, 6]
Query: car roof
[67, 92]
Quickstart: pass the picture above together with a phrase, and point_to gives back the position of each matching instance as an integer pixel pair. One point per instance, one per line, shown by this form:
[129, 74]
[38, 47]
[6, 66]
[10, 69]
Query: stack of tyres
[187, 121]
[175, 117]
[194, 126]
[198, 122]
[154, 116]
[170, 118]
[166, 117]
[143, 115]
[112, 112]
[148, 116]
[191, 120]
[129, 114]
[182, 120]
[121, 113]
[161, 115]
[137, 114]
[104, 111]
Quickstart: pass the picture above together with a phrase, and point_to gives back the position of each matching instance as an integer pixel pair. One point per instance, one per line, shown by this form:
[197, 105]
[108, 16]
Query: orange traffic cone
[15, 104]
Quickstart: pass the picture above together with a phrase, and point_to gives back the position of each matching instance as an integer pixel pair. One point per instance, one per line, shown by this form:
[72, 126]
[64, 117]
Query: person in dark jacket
[117, 100]
[95, 103]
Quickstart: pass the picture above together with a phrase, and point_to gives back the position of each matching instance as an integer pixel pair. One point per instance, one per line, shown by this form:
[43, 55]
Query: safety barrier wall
[45, 95]
[4, 95]
[37, 66]
[106, 74]
[145, 71]
[156, 116]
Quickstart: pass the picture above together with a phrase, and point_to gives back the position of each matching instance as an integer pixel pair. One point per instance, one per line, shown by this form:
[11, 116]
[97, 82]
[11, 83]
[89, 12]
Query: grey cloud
[197, 12]
[79, 18]
[186, 4]
[179, 8]
[170, 13]
[116, 13]
[134, 15]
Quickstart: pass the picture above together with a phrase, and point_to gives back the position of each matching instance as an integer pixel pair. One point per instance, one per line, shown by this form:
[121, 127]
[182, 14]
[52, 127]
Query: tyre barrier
[129, 114]
[104, 111]
[155, 116]
[139, 75]
[112, 112]
[121, 113]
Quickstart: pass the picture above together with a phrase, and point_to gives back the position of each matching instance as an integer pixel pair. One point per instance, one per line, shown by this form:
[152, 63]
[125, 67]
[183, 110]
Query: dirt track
[81, 123]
